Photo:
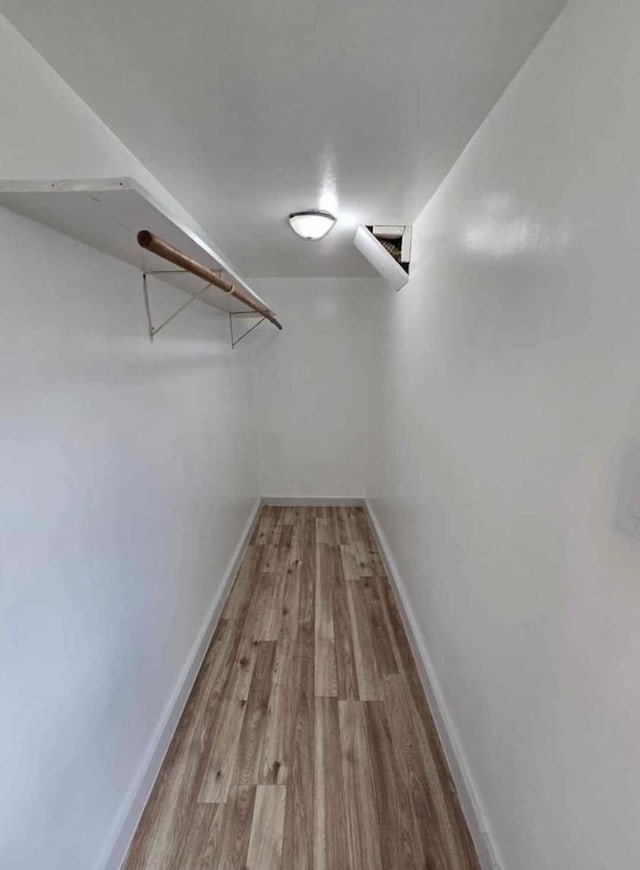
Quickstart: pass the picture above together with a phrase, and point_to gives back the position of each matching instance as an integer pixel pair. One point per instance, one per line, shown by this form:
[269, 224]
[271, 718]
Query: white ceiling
[248, 109]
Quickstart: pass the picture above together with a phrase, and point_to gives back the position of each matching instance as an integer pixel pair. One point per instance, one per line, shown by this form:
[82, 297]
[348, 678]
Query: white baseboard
[124, 828]
[293, 501]
[460, 772]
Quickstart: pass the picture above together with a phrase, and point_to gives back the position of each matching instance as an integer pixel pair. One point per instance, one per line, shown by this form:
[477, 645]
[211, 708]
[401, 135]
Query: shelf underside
[107, 215]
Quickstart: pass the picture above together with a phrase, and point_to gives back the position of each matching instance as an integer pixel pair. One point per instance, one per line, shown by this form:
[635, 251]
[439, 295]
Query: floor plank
[362, 632]
[285, 688]
[307, 742]
[249, 753]
[347, 681]
[326, 676]
[235, 822]
[357, 771]
[235, 827]
[265, 842]
[330, 830]
[202, 839]
[398, 847]
[221, 763]
[297, 853]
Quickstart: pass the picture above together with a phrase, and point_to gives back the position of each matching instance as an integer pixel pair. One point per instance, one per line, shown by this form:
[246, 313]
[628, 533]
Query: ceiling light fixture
[312, 223]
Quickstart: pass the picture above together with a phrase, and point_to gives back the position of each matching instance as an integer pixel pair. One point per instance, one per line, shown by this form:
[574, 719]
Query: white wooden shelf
[107, 215]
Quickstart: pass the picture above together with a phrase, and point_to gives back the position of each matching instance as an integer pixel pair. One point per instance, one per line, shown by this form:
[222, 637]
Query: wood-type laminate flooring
[307, 741]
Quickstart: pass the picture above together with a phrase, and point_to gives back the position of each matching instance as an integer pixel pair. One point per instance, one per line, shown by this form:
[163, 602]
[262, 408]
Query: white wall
[507, 390]
[127, 481]
[310, 385]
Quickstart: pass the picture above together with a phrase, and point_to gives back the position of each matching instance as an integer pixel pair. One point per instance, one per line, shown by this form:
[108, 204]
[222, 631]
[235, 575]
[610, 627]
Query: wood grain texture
[221, 764]
[307, 742]
[254, 724]
[362, 631]
[326, 674]
[299, 810]
[235, 827]
[265, 842]
[202, 838]
[278, 741]
[357, 772]
[330, 822]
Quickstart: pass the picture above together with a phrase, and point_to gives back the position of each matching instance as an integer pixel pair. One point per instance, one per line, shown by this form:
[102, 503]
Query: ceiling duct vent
[388, 249]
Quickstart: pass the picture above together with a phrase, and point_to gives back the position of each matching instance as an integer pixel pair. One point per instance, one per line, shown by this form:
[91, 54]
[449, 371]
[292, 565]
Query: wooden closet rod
[163, 249]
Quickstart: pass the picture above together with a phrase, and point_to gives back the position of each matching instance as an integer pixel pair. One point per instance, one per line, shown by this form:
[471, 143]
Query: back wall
[311, 387]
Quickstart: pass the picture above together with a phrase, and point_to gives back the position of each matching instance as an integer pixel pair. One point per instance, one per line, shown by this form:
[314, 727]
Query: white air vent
[388, 249]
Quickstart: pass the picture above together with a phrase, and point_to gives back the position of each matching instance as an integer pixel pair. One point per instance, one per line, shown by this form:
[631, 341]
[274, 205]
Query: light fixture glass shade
[312, 224]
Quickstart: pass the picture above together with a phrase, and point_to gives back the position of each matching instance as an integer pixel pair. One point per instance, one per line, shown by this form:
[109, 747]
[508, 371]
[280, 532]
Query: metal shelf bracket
[242, 314]
[233, 315]
[154, 330]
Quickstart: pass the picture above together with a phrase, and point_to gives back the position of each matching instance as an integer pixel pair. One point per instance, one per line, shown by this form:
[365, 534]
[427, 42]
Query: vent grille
[392, 248]
[396, 240]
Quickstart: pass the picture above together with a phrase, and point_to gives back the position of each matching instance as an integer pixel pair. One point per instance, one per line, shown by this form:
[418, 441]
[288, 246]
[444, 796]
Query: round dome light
[312, 224]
